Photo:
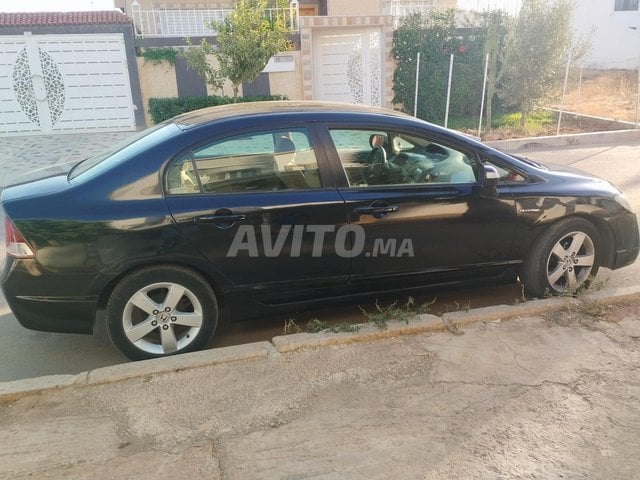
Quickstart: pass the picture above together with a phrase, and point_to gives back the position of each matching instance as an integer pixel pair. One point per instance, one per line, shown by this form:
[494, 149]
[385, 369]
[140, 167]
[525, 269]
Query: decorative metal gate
[348, 65]
[64, 83]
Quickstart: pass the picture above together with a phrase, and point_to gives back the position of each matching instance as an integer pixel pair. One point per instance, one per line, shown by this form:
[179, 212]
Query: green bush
[157, 55]
[436, 37]
[162, 109]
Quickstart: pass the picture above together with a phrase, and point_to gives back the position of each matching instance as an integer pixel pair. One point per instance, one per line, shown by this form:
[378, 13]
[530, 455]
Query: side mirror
[491, 176]
[490, 181]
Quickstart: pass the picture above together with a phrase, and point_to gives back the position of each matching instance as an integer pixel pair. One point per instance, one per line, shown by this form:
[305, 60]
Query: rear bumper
[46, 302]
[53, 314]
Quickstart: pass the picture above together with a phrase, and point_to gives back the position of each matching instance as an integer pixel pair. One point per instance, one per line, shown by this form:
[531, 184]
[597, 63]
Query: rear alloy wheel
[564, 259]
[161, 311]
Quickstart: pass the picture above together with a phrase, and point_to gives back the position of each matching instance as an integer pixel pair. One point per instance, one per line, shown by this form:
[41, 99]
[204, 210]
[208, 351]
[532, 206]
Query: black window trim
[342, 182]
[327, 178]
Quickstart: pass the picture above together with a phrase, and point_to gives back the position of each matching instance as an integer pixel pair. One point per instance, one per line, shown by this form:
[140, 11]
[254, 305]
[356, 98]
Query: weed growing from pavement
[381, 315]
[316, 326]
[590, 308]
[458, 307]
[345, 327]
[588, 286]
[290, 326]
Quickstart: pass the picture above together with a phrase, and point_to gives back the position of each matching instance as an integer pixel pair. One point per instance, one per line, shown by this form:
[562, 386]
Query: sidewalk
[544, 396]
[22, 154]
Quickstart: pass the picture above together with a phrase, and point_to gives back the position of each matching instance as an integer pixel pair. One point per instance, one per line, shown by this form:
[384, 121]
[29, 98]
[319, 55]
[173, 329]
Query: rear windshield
[127, 148]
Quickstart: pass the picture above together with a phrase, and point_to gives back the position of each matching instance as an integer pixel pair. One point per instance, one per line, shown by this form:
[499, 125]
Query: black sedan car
[267, 207]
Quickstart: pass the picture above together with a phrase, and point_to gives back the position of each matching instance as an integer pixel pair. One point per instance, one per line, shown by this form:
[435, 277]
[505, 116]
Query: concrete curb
[572, 140]
[366, 333]
[125, 371]
[11, 391]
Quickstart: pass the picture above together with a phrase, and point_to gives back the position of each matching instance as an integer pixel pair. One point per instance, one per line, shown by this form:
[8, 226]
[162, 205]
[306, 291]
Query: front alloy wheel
[564, 258]
[161, 311]
[570, 262]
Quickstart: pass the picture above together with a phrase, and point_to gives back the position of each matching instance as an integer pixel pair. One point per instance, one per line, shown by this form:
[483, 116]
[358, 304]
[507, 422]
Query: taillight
[17, 246]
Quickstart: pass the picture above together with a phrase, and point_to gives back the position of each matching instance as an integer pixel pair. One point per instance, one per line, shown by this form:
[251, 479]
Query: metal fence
[581, 99]
[196, 22]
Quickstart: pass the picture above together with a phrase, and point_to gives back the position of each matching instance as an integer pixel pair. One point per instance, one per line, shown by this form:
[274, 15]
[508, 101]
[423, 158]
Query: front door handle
[378, 211]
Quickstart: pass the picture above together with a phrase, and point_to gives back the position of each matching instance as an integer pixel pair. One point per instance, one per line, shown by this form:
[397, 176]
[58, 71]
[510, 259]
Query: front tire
[564, 259]
[160, 311]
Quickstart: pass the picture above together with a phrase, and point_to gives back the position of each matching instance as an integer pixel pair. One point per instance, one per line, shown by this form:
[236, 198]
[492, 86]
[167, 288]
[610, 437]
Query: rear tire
[564, 259]
[162, 310]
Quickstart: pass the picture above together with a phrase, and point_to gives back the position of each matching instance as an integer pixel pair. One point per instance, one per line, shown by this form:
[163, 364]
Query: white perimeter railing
[402, 8]
[512, 7]
[195, 22]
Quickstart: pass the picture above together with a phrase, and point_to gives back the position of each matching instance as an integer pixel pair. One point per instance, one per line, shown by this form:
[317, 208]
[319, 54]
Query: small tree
[247, 39]
[196, 59]
[535, 54]
[496, 25]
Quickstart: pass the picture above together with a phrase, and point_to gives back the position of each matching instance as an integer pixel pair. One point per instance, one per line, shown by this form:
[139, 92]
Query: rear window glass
[127, 148]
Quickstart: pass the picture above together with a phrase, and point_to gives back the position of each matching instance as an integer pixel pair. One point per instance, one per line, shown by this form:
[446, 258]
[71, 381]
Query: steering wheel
[436, 153]
[377, 166]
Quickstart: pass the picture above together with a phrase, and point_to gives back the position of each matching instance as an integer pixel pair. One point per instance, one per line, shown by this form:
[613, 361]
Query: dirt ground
[610, 94]
[604, 93]
[548, 397]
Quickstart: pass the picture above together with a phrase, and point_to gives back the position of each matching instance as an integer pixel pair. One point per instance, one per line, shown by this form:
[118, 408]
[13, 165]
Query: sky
[54, 5]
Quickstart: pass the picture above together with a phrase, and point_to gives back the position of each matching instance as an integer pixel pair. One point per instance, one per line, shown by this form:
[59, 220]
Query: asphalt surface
[552, 395]
[26, 354]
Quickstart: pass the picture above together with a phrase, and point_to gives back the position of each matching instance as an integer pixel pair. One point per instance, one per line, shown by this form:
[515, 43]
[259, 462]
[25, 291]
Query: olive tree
[535, 54]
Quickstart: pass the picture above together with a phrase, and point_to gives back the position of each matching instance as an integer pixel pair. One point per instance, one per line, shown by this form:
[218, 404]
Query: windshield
[528, 161]
[122, 150]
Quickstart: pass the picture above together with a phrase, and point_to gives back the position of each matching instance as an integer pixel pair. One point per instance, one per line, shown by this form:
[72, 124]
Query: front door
[419, 211]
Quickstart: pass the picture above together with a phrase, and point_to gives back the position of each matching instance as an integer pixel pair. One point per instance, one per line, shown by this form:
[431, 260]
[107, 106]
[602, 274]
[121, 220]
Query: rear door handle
[378, 211]
[222, 220]
[219, 218]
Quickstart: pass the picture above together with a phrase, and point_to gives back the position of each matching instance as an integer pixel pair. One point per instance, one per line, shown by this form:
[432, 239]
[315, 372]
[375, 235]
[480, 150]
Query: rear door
[257, 206]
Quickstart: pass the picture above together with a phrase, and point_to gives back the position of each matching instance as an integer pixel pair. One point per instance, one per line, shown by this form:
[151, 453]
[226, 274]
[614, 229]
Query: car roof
[238, 110]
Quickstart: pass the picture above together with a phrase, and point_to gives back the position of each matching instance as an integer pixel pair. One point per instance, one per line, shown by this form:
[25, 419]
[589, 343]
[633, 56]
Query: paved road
[538, 397]
[25, 353]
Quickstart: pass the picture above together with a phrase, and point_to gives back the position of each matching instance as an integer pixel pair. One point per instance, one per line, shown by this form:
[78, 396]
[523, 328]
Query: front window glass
[259, 161]
[373, 157]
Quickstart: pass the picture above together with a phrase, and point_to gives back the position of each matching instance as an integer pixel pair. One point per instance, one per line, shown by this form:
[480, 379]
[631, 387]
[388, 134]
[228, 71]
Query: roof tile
[62, 18]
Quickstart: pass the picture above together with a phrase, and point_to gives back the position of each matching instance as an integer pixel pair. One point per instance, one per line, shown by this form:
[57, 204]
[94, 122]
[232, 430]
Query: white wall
[614, 44]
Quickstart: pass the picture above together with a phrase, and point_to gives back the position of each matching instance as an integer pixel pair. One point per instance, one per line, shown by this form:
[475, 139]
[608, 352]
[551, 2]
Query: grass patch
[316, 326]
[403, 313]
[508, 124]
